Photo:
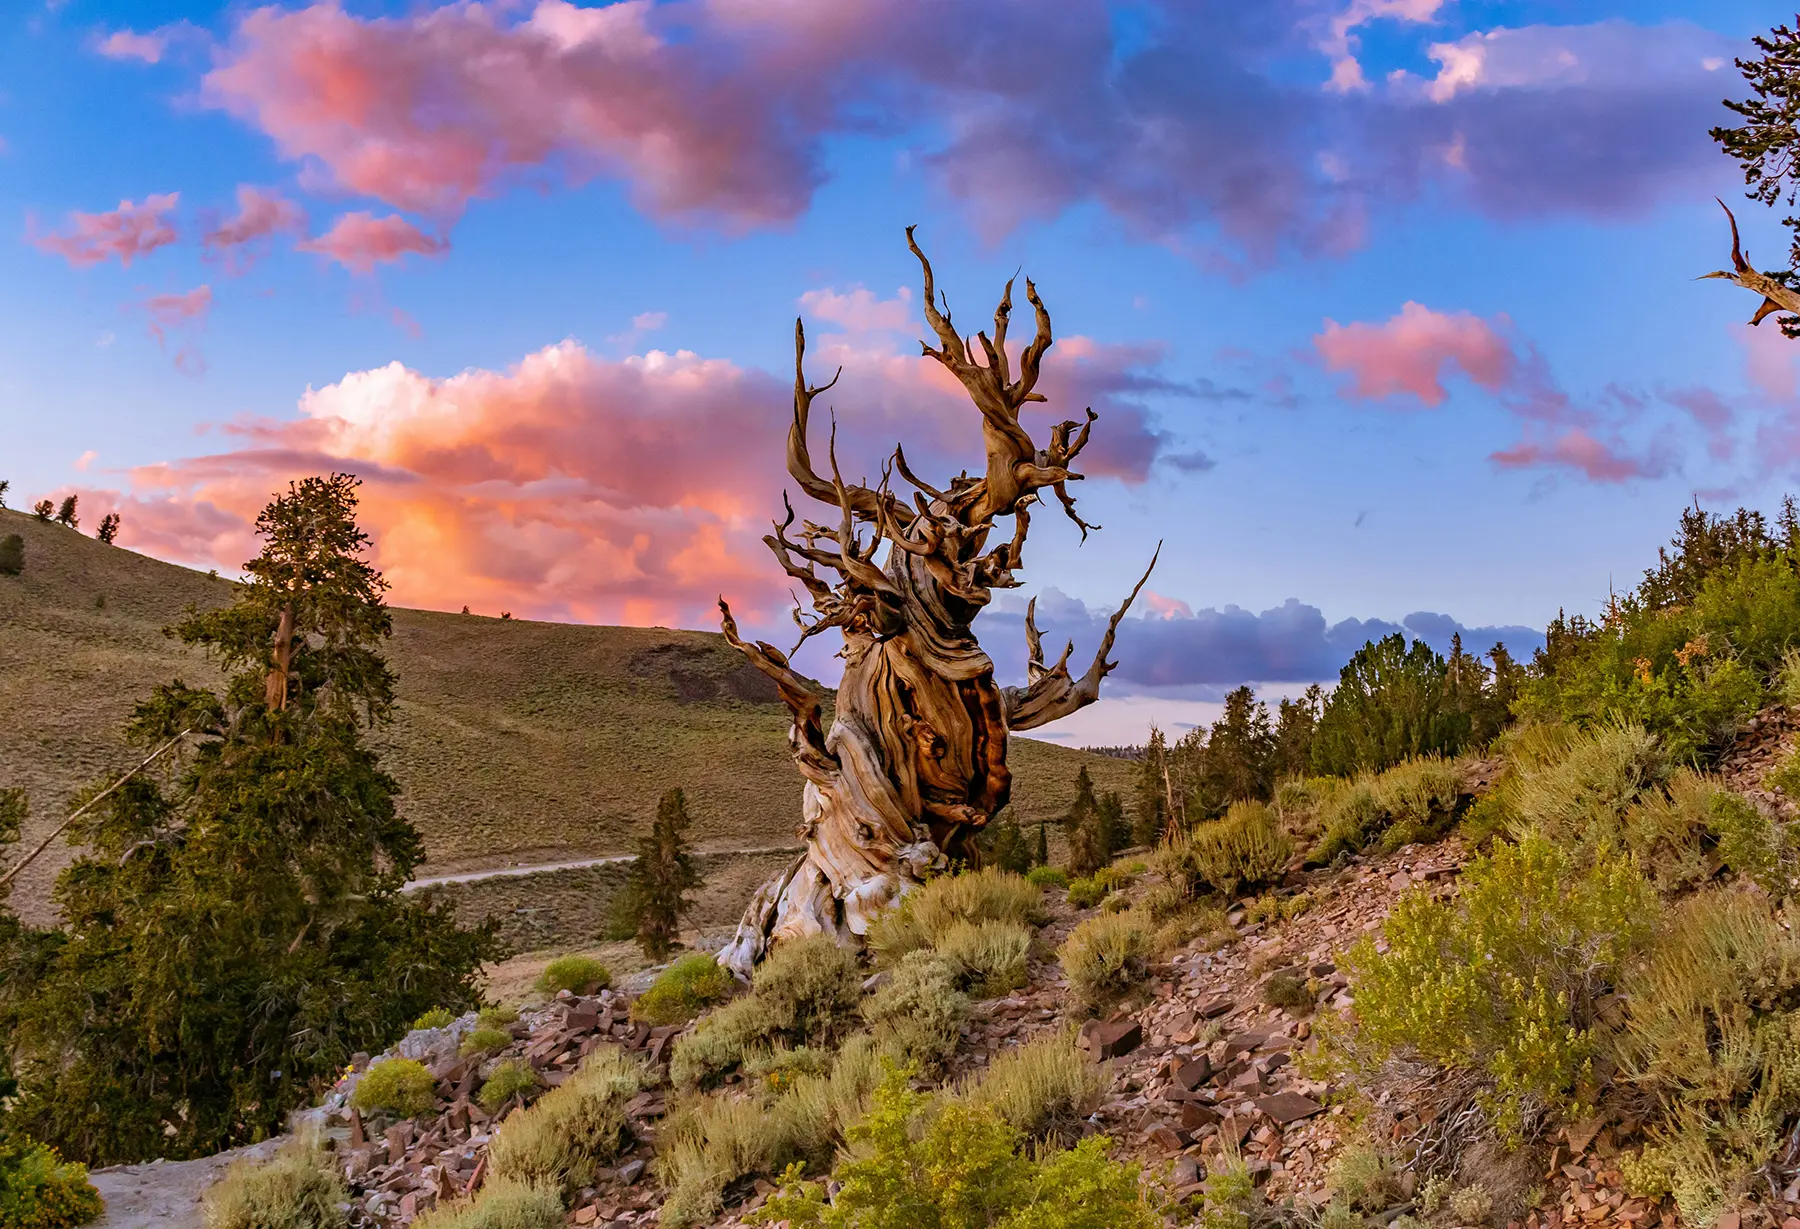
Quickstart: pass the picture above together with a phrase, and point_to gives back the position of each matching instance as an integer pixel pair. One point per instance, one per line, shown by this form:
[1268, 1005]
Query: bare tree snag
[914, 764]
[1777, 294]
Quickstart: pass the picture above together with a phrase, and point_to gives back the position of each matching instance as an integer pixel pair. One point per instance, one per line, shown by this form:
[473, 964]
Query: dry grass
[515, 741]
[503, 1203]
[1044, 1088]
[574, 1128]
[297, 1188]
[929, 913]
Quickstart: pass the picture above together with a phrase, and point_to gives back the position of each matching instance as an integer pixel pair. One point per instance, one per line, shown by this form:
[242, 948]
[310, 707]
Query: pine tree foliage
[1767, 144]
[234, 928]
[661, 877]
[67, 514]
[1150, 791]
[43, 509]
[1087, 851]
[109, 528]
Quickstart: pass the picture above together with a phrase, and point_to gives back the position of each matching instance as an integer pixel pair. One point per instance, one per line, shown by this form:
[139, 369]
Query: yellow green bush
[918, 1010]
[485, 1041]
[39, 1190]
[574, 1128]
[919, 1162]
[508, 1079]
[1364, 1179]
[710, 1142]
[928, 912]
[1044, 1089]
[297, 1188]
[437, 1017]
[806, 992]
[1502, 980]
[988, 958]
[1712, 1039]
[1242, 851]
[576, 974]
[397, 1086]
[496, 1017]
[682, 991]
[1106, 957]
[1047, 877]
[502, 1203]
[1088, 892]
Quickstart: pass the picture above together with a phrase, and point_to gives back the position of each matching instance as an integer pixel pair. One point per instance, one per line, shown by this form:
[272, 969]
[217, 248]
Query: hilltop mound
[515, 741]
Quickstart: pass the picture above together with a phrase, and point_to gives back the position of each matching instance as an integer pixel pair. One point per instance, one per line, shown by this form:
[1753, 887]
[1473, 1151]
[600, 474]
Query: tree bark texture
[914, 763]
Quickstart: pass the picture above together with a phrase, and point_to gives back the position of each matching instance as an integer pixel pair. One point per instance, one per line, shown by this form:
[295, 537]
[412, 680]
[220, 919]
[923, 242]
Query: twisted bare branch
[1051, 693]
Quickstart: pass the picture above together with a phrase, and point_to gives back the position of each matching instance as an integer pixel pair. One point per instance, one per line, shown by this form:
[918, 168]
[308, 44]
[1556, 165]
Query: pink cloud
[574, 486]
[261, 214]
[129, 45]
[1167, 607]
[1581, 452]
[859, 310]
[360, 241]
[171, 310]
[1408, 353]
[128, 232]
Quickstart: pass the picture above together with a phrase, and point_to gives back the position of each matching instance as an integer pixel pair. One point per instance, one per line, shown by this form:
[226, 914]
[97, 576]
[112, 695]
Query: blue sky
[1195, 199]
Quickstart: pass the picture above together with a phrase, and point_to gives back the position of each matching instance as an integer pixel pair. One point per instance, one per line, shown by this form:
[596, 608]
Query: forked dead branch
[914, 764]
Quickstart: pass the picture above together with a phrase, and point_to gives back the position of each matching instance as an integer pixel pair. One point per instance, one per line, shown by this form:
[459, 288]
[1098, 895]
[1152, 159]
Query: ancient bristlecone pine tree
[915, 761]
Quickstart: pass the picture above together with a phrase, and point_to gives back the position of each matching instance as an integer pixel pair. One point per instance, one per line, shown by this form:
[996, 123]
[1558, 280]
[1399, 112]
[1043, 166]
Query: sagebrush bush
[485, 1040]
[574, 974]
[1288, 992]
[682, 991]
[1088, 892]
[395, 1085]
[1106, 957]
[919, 1162]
[1045, 1088]
[711, 1142]
[919, 1011]
[502, 1203]
[805, 993]
[1364, 1179]
[496, 1017]
[574, 1128]
[297, 1188]
[508, 1079]
[437, 1017]
[1047, 877]
[927, 913]
[39, 1190]
[988, 958]
[1583, 788]
[1244, 850]
[779, 1069]
[1711, 1036]
[1501, 980]
[1418, 799]
[12, 555]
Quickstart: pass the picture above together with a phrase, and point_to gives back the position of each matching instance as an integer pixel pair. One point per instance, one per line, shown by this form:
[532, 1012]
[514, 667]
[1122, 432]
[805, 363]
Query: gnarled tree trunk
[914, 764]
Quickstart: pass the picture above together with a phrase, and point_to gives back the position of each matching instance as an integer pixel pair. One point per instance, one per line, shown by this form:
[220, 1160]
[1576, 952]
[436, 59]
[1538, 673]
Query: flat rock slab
[166, 1194]
[1112, 1038]
[1286, 1107]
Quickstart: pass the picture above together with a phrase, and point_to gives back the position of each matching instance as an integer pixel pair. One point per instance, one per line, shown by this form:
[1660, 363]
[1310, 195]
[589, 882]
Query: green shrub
[38, 1190]
[1364, 1180]
[1711, 1036]
[1088, 892]
[1348, 818]
[928, 912]
[503, 1203]
[1419, 799]
[932, 1163]
[918, 1010]
[1106, 957]
[1499, 981]
[508, 1079]
[571, 1130]
[1472, 1204]
[12, 555]
[1047, 877]
[297, 1188]
[711, 1142]
[1045, 1088]
[437, 1017]
[682, 991]
[1243, 851]
[1583, 790]
[988, 958]
[1288, 992]
[496, 1017]
[805, 993]
[485, 1041]
[575, 974]
[779, 1069]
[395, 1085]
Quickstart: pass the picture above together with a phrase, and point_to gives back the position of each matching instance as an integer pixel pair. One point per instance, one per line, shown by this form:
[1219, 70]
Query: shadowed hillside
[515, 741]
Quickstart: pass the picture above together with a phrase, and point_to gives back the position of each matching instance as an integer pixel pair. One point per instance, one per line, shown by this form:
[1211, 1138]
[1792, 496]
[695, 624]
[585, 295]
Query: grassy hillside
[515, 741]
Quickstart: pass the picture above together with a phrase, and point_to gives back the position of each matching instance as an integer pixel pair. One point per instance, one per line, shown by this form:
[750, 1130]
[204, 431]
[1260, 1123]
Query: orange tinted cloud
[1577, 450]
[1408, 353]
[128, 232]
[571, 486]
[360, 241]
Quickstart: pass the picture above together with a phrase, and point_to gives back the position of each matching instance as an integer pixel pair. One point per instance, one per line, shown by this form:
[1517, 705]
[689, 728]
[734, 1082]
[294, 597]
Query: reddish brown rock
[1112, 1038]
[1286, 1107]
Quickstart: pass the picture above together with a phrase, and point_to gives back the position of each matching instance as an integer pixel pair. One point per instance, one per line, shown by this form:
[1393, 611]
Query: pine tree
[109, 528]
[1086, 852]
[1239, 755]
[234, 928]
[662, 875]
[1112, 831]
[1295, 724]
[43, 509]
[5, 486]
[1043, 844]
[66, 515]
[1150, 791]
[1003, 844]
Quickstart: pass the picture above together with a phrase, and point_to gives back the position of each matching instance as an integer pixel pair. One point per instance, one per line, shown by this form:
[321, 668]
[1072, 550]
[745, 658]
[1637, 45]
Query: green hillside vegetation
[512, 740]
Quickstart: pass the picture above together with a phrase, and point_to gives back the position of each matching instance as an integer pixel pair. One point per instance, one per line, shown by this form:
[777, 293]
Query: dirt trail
[515, 872]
